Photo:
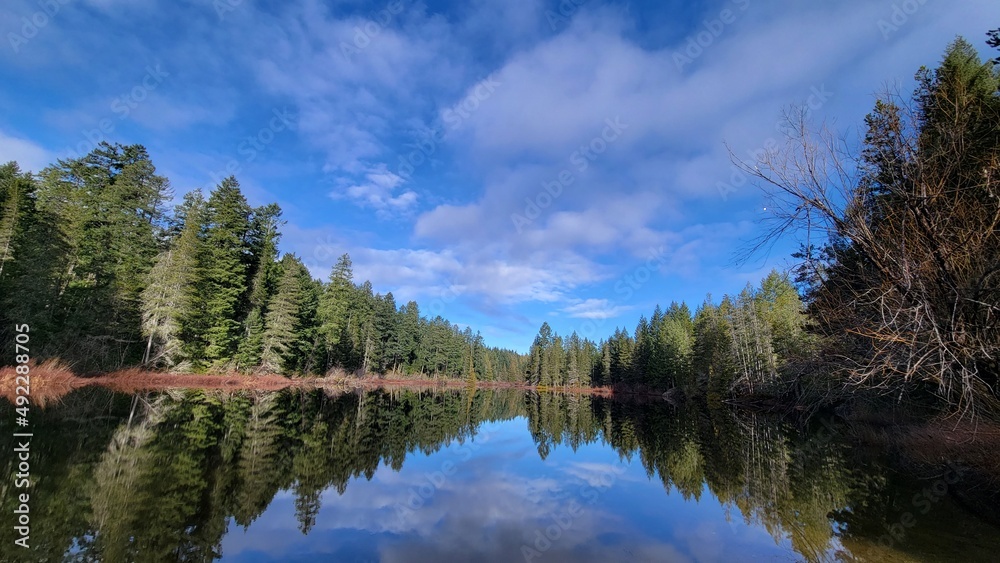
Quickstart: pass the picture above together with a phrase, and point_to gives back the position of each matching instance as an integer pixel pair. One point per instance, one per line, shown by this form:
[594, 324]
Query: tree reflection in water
[163, 476]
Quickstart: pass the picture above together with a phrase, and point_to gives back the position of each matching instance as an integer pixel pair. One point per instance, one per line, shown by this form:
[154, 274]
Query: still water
[487, 475]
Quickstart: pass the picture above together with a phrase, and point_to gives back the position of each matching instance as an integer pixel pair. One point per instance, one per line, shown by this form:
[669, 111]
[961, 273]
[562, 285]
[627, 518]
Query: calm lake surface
[487, 475]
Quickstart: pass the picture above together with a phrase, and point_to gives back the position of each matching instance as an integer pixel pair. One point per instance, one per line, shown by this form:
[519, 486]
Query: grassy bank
[51, 381]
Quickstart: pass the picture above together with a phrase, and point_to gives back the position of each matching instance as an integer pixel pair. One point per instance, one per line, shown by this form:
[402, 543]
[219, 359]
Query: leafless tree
[913, 220]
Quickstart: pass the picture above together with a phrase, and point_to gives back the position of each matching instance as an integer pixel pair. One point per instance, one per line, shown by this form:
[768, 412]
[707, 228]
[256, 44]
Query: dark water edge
[202, 475]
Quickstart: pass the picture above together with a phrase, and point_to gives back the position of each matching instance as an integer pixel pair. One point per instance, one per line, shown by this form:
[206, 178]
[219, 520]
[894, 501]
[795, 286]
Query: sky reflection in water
[490, 475]
[487, 498]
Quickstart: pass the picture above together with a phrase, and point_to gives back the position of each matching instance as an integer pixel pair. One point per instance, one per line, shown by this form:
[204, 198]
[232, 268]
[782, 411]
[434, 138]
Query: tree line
[107, 277]
[742, 345]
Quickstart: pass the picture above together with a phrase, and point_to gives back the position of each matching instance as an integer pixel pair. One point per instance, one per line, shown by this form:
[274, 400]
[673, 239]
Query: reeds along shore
[51, 380]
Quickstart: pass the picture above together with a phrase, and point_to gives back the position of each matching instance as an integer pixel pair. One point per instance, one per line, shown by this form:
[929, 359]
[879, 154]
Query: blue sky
[503, 163]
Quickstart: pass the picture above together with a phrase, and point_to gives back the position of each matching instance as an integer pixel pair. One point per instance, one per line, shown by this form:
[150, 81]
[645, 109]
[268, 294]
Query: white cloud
[351, 99]
[28, 155]
[377, 191]
[427, 273]
[594, 309]
[556, 97]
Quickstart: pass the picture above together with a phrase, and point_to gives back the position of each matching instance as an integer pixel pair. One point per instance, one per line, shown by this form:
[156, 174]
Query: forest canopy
[108, 277]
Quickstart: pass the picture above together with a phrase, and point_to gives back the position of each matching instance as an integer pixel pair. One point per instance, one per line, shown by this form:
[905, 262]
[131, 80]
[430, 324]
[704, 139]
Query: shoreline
[916, 441]
[50, 382]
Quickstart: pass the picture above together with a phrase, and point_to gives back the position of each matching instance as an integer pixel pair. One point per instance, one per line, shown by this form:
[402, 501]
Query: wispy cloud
[594, 309]
[27, 154]
[378, 190]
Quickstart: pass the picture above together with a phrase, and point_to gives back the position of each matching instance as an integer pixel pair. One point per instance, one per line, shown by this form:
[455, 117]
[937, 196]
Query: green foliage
[83, 238]
[739, 346]
[224, 265]
[904, 291]
[168, 302]
[333, 311]
[33, 253]
[282, 339]
[107, 279]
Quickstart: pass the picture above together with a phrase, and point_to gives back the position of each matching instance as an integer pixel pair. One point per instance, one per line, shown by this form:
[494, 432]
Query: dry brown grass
[48, 382]
[52, 380]
[133, 380]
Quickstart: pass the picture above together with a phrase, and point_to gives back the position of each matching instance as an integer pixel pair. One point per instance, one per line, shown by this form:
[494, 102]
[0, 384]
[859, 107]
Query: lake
[473, 475]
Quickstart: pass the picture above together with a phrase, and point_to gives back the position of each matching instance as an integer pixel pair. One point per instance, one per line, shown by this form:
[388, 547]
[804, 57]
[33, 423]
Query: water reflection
[461, 476]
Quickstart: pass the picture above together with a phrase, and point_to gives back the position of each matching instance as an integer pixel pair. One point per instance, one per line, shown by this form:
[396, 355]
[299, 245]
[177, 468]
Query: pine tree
[33, 255]
[311, 348]
[262, 273]
[361, 328]
[779, 306]
[751, 337]
[333, 312]
[622, 349]
[712, 352]
[169, 297]
[573, 365]
[908, 296]
[284, 317]
[556, 362]
[409, 336]
[107, 206]
[644, 343]
[16, 191]
[388, 353]
[224, 270]
[470, 368]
